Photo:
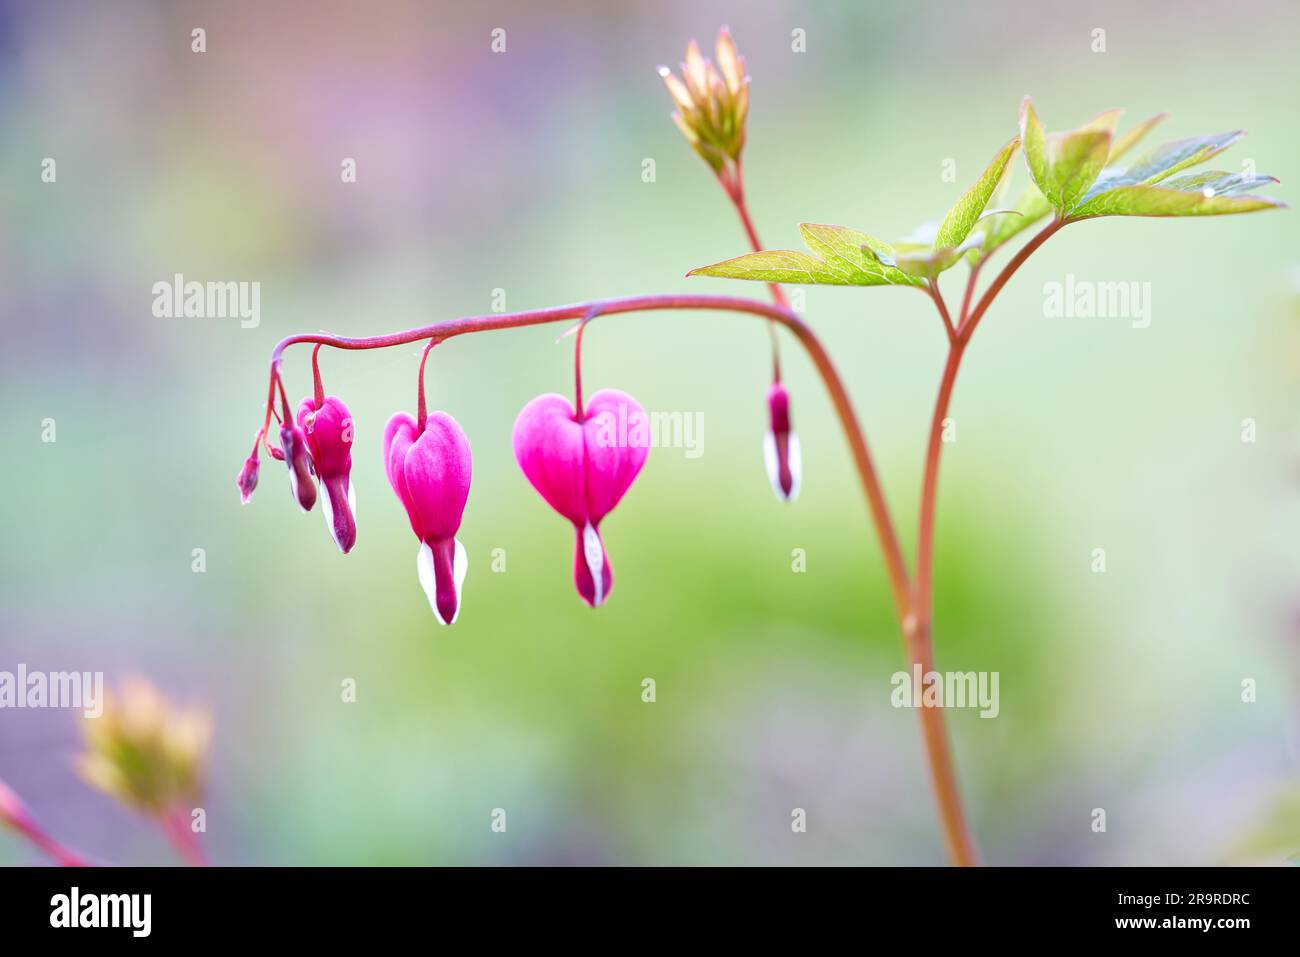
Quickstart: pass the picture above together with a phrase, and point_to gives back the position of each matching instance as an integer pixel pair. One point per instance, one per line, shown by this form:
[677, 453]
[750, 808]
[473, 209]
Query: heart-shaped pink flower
[430, 471]
[329, 431]
[583, 467]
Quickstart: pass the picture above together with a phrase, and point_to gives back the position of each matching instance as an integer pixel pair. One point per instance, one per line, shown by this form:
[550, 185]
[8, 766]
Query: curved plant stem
[318, 387]
[577, 372]
[932, 289]
[970, 290]
[919, 632]
[447, 329]
[967, 327]
[930, 484]
[421, 408]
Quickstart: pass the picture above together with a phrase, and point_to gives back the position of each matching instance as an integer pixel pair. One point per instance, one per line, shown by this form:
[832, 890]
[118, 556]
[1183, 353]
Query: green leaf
[1219, 182]
[967, 210]
[1152, 200]
[848, 249]
[777, 265]
[1064, 165]
[847, 258]
[1103, 122]
[1033, 140]
[1163, 161]
[1170, 158]
[1077, 159]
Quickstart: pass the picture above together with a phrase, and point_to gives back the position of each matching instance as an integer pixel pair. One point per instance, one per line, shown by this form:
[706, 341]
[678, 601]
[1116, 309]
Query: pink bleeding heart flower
[781, 446]
[328, 427]
[582, 467]
[430, 470]
[293, 447]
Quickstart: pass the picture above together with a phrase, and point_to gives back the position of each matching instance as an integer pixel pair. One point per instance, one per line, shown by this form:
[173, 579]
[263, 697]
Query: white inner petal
[429, 581]
[774, 465]
[327, 503]
[424, 568]
[329, 510]
[594, 554]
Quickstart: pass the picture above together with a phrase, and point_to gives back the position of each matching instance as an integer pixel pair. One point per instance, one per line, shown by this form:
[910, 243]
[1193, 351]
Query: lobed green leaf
[966, 212]
[1077, 160]
[1154, 200]
[1163, 161]
[1064, 165]
[845, 257]
[1033, 140]
[1219, 182]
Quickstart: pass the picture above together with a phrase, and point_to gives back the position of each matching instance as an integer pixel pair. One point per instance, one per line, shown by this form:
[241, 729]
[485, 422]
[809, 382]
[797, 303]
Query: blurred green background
[521, 171]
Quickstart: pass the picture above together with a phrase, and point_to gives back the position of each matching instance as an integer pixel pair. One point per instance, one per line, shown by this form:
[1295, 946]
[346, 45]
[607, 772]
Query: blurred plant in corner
[144, 752]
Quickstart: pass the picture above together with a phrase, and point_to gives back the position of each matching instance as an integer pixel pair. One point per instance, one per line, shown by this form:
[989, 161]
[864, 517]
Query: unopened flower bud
[247, 480]
[293, 443]
[781, 446]
[329, 431]
[144, 751]
[712, 101]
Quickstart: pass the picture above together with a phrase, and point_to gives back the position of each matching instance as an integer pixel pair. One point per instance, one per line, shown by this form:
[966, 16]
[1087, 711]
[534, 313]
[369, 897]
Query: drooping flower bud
[430, 472]
[582, 468]
[293, 451]
[712, 101]
[329, 431]
[247, 479]
[781, 446]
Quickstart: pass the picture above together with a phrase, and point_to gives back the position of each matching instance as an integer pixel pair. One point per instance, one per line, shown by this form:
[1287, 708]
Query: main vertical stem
[918, 628]
[916, 622]
[918, 631]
